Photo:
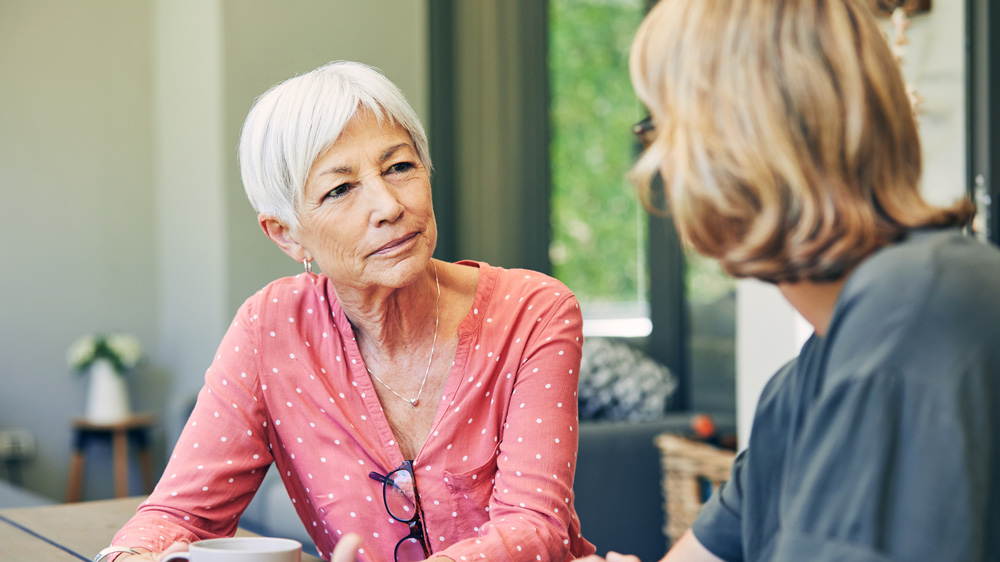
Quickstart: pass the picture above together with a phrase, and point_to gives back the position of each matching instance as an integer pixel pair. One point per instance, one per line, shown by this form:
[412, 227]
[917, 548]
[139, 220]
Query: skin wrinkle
[366, 191]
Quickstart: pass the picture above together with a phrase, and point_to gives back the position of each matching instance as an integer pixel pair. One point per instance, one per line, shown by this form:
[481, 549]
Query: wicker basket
[690, 471]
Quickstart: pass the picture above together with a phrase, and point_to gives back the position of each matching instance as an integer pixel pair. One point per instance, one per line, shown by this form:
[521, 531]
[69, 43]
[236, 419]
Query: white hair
[292, 123]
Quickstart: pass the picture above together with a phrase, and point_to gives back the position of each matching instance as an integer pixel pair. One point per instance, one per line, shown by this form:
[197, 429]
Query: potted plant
[105, 358]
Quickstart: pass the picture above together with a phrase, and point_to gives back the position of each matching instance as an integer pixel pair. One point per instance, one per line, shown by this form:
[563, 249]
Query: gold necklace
[437, 316]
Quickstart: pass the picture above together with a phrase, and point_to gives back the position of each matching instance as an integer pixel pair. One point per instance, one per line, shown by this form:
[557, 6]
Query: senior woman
[789, 152]
[390, 371]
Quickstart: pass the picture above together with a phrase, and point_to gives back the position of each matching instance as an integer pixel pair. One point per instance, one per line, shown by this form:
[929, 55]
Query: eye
[400, 167]
[339, 191]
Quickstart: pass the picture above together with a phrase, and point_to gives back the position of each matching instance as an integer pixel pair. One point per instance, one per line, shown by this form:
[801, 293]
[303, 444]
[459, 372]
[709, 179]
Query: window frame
[982, 81]
[528, 21]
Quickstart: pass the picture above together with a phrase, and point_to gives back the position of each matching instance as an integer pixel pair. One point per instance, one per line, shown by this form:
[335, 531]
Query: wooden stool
[135, 428]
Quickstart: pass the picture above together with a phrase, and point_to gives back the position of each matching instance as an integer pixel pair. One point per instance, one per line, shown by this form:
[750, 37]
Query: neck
[814, 301]
[394, 321]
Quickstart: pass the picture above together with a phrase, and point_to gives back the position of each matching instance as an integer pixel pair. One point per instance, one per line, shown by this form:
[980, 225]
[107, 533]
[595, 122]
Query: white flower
[122, 350]
[81, 353]
[126, 347]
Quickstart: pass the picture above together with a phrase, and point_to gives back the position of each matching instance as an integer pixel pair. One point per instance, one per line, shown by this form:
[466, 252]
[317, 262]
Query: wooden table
[68, 532]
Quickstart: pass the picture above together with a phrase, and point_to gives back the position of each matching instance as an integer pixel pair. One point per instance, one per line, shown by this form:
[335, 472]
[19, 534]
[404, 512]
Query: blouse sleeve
[717, 526]
[219, 459]
[720, 523]
[530, 508]
[885, 469]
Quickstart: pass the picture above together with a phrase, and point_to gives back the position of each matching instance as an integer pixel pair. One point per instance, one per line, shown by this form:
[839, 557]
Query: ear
[282, 235]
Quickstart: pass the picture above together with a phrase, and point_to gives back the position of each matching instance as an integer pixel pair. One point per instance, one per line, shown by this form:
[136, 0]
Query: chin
[404, 272]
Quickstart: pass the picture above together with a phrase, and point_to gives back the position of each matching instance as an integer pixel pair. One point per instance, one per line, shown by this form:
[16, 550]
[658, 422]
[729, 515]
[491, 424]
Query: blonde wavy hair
[783, 133]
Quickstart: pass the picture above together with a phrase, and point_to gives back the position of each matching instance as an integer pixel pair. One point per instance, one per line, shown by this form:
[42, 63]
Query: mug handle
[182, 555]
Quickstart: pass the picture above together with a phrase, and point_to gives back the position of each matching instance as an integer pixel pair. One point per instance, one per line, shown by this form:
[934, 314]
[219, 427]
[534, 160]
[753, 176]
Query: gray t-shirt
[881, 441]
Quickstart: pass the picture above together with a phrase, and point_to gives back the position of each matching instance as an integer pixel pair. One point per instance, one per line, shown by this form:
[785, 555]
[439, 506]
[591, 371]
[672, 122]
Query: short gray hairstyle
[291, 124]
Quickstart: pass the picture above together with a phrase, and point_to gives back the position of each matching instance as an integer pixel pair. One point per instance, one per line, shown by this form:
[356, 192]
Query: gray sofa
[618, 489]
[16, 496]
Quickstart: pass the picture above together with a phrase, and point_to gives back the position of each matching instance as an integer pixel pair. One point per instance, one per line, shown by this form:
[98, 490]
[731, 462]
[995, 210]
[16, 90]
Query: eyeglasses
[399, 493]
[645, 131]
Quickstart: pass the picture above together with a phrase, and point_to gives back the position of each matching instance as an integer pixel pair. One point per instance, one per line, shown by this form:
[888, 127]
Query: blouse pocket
[469, 494]
[461, 482]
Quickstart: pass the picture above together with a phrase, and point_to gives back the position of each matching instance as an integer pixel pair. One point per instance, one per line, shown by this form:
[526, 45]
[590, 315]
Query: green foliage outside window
[598, 227]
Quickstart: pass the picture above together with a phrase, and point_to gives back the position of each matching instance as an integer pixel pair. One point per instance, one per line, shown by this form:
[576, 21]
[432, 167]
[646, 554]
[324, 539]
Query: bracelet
[113, 550]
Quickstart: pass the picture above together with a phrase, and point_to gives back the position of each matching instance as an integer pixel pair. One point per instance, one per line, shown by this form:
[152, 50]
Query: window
[598, 227]
[600, 239]
[505, 196]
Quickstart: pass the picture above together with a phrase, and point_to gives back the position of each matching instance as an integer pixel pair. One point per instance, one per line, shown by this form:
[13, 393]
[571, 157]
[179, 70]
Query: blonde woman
[789, 152]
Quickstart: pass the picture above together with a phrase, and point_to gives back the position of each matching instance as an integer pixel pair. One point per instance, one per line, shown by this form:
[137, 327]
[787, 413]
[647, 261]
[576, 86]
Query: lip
[399, 244]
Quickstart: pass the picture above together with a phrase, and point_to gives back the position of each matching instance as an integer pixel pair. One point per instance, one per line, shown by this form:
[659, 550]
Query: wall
[768, 331]
[189, 172]
[78, 254]
[121, 200]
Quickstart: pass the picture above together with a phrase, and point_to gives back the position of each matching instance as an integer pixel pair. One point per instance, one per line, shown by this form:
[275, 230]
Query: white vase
[107, 394]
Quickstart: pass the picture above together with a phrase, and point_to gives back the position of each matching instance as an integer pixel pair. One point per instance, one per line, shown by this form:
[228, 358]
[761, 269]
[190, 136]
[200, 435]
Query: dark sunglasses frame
[416, 521]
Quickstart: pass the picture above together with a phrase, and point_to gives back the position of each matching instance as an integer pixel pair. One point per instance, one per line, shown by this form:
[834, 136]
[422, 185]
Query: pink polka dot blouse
[288, 387]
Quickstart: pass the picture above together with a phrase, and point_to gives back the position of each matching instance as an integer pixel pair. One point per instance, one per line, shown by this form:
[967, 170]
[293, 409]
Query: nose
[384, 204]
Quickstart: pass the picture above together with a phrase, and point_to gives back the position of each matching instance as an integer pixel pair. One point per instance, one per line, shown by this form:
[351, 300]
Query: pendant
[413, 401]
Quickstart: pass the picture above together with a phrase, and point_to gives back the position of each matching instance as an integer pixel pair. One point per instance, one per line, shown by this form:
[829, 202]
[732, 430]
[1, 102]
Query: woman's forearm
[689, 549]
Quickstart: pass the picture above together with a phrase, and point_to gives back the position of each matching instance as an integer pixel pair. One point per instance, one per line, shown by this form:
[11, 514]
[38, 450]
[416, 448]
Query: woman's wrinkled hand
[147, 556]
[143, 556]
[611, 557]
[181, 546]
[347, 548]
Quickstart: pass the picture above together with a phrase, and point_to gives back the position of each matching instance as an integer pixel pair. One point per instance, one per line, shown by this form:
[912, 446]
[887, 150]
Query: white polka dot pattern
[288, 386]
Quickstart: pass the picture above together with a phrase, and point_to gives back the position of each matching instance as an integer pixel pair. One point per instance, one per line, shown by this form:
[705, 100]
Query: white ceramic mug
[241, 549]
